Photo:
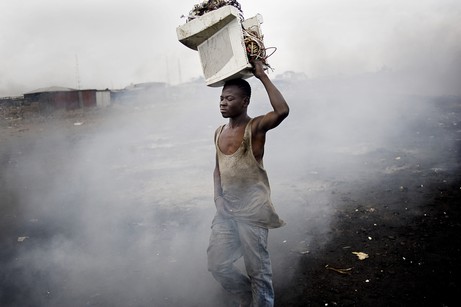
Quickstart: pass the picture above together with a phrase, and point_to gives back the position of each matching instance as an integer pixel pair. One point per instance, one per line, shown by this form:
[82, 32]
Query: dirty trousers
[231, 240]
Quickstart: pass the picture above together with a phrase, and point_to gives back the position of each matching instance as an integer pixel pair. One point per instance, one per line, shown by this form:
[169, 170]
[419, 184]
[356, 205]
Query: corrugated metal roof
[51, 89]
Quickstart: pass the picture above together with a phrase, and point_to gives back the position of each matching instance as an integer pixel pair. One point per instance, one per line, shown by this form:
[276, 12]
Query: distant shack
[67, 98]
[141, 92]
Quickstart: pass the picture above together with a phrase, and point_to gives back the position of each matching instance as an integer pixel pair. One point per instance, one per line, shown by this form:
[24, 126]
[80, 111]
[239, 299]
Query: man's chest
[230, 140]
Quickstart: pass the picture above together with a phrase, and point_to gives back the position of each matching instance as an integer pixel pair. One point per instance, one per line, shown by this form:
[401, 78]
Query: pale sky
[112, 43]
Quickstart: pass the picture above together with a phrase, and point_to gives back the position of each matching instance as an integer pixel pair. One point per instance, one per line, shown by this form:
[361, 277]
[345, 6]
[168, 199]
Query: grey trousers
[231, 240]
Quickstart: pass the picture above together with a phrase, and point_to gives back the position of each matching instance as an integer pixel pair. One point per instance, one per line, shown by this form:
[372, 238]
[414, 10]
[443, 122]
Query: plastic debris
[361, 255]
[21, 239]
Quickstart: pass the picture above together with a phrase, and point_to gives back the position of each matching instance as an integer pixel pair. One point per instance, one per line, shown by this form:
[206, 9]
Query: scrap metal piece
[346, 271]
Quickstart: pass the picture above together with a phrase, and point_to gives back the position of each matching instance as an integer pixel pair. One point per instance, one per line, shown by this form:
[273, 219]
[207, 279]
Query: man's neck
[238, 121]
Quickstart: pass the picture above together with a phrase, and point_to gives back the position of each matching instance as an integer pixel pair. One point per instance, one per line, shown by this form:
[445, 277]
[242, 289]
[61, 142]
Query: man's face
[232, 102]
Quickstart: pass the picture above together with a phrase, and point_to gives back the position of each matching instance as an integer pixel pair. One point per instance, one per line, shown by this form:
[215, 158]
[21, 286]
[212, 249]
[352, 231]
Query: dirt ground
[407, 222]
[413, 254]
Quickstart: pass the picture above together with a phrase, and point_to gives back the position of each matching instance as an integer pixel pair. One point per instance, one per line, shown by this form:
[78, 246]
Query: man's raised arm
[279, 105]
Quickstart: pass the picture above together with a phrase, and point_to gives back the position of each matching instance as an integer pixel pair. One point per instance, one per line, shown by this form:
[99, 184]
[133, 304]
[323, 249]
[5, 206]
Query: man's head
[243, 85]
[235, 97]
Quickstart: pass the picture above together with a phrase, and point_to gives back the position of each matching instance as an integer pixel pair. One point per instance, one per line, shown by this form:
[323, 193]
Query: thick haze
[112, 207]
[110, 44]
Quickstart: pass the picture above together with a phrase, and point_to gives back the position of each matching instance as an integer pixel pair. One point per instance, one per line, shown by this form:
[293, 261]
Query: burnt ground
[401, 208]
[413, 251]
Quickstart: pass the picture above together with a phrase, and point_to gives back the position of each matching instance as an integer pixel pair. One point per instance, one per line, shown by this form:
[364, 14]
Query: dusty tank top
[245, 184]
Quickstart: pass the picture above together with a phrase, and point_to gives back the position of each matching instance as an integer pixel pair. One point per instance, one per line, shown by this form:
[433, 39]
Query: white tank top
[245, 184]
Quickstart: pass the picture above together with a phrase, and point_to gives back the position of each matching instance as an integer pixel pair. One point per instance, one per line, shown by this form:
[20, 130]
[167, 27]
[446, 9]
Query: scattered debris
[21, 239]
[211, 5]
[361, 255]
[78, 124]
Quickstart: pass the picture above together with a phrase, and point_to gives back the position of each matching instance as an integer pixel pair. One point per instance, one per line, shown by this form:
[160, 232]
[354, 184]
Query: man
[242, 193]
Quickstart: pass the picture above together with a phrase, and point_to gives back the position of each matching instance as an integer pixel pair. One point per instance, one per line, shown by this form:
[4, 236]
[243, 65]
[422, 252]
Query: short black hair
[243, 85]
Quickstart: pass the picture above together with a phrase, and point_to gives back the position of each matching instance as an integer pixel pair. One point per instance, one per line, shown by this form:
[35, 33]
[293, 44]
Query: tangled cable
[211, 5]
[255, 46]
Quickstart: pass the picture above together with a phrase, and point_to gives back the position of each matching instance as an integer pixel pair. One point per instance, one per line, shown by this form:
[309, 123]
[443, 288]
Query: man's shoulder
[255, 122]
[219, 128]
